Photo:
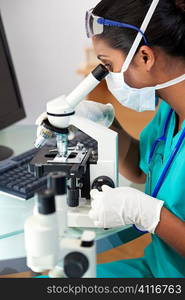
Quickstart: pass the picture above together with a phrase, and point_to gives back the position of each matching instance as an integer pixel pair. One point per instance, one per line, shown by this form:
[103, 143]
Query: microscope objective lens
[62, 145]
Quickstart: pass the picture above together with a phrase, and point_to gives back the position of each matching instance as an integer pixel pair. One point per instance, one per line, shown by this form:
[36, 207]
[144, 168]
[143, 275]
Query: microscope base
[78, 217]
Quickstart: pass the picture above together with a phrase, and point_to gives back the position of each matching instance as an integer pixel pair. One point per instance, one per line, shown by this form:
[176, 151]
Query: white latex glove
[103, 114]
[39, 121]
[125, 206]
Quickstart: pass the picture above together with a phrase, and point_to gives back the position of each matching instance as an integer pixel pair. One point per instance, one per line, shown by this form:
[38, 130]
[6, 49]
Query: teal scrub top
[162, 260]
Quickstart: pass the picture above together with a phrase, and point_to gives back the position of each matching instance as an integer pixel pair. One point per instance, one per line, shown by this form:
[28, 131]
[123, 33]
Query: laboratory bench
[13, 213]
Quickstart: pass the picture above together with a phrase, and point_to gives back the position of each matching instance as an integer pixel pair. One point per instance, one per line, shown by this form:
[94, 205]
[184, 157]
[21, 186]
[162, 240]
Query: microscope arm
[61, 109]
[86, 86]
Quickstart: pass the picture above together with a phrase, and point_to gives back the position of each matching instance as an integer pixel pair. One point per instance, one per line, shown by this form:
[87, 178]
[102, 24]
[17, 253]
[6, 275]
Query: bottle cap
[57, 183]
[46, 202]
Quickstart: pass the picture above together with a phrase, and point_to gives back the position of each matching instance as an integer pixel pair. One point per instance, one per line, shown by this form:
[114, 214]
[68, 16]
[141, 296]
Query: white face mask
[137, 99]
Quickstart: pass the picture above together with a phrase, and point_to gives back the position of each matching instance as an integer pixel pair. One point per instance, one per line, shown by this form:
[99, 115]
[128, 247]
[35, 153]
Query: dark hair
[166, 28]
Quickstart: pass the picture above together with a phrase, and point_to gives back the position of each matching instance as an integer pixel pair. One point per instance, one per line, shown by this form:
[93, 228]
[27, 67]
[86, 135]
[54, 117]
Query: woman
[142, 43]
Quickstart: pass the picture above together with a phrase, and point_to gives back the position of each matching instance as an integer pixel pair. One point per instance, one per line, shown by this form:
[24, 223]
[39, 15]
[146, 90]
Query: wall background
[46, 39]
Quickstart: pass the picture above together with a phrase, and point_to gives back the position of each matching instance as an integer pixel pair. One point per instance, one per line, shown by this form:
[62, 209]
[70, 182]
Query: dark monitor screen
[11, 105]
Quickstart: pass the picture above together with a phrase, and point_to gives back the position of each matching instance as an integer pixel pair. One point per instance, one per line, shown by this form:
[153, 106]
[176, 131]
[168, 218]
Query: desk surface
[13, 211]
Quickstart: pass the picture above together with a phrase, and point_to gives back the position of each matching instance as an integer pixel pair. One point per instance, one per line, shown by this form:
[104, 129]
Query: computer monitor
[11, 105]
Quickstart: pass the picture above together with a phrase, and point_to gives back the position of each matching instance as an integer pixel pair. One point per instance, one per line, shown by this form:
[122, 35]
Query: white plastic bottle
[57, 183]
[41, 234]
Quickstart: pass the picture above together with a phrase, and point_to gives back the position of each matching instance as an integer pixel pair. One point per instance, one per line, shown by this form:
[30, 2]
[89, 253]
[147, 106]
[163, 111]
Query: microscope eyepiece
[100, 72]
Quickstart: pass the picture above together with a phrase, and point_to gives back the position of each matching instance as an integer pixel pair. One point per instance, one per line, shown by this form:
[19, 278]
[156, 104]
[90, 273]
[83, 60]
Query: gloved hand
[125, 206]
[101, 113]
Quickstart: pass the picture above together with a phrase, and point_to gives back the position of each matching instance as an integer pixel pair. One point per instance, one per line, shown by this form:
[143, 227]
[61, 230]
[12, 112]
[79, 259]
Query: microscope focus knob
[102, 180]
[76, 265]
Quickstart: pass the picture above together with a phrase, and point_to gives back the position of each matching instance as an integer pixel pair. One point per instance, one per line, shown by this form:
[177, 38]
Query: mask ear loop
[139, 36]
[171, 82]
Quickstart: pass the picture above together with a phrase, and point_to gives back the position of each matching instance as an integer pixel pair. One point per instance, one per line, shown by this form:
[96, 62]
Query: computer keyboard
[15, 178]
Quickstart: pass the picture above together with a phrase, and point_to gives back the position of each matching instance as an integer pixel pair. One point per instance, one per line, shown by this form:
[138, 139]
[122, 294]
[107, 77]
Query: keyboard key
[16, 188]
[9, 185]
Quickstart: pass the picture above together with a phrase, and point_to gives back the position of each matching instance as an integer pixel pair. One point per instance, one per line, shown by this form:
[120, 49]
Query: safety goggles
[95, 25]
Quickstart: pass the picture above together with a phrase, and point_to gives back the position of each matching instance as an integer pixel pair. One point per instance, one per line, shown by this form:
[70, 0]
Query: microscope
[49, 247]
[85, 169]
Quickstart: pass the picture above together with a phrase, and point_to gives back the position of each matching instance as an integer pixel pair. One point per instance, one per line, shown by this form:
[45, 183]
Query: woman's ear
[146, 57]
